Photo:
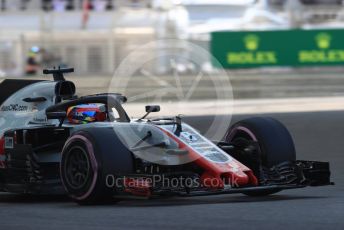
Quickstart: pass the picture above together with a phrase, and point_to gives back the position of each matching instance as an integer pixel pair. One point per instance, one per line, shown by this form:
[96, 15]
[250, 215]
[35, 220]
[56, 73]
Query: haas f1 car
[53, 142]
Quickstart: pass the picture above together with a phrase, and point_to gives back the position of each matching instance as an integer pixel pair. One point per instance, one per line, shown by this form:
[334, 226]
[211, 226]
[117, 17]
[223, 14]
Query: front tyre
[274, 143]
[88, 157]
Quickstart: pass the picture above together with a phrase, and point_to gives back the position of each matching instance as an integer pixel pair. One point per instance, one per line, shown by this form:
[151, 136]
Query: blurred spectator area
[93, 45]
[315, 11]
[309, 2]
[98, 42]
[93, 52]
[68, 5]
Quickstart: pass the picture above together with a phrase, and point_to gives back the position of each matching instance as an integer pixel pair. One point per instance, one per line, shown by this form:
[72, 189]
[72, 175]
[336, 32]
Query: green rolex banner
[278, 48]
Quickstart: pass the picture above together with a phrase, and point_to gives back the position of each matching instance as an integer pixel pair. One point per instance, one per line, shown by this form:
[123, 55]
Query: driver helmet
[86, 113]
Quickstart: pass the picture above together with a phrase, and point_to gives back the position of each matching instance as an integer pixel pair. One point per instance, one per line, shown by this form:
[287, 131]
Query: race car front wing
[287, 175]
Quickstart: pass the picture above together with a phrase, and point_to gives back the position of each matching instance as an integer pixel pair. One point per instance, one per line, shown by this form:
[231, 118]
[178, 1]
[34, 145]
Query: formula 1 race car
[54, 142]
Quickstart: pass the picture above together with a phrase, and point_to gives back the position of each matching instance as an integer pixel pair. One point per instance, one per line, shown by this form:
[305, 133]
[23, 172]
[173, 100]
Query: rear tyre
[88, 158]
[274, 140]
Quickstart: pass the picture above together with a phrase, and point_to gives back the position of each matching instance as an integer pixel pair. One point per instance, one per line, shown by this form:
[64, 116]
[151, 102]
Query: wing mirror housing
[152, 108]
[56, 115]
[61, 116]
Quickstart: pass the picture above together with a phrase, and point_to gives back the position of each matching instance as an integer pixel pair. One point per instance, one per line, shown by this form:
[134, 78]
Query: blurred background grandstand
[94, 36]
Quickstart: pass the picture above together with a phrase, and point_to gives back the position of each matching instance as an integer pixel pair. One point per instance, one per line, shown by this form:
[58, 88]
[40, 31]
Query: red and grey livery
[44, 151]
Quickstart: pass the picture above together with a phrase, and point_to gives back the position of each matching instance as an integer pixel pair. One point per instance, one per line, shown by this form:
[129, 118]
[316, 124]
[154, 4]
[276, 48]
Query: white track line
[254, 106]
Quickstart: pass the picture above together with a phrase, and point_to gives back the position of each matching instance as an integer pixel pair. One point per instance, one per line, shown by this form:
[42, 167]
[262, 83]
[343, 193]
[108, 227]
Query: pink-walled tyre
[88, 157]
[274, 141]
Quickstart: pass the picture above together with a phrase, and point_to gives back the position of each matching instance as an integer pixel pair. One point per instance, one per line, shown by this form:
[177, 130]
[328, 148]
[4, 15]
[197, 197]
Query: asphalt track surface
[318, 136]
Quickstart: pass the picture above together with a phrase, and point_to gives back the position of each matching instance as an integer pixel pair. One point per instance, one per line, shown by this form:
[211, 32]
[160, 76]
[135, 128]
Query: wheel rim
[77, 168]
[246, 140]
